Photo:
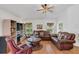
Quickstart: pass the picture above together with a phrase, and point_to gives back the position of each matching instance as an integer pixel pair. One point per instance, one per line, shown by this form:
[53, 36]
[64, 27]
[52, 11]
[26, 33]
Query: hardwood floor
[49, 48]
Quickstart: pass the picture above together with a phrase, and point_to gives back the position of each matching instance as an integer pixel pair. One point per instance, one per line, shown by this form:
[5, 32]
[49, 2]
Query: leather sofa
[44, 35]
[63, 40]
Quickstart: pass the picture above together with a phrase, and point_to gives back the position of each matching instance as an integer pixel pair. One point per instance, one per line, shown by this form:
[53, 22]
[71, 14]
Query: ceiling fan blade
[40, 9]
[43, 6]
[50, 7]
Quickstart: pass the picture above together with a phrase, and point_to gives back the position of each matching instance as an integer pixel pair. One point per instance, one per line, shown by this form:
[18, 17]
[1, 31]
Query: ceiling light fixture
[46, 8]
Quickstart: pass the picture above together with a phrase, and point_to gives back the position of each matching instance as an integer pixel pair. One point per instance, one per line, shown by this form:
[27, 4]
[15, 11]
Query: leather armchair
[64, 40]
[14, 49]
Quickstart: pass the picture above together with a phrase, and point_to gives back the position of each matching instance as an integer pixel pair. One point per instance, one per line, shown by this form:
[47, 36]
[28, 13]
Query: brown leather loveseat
[64, 40]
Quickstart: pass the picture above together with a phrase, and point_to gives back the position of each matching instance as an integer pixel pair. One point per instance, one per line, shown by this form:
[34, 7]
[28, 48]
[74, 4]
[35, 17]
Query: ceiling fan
[46, 8]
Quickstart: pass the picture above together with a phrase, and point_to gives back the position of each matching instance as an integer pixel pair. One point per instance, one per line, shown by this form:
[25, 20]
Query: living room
[62, 18]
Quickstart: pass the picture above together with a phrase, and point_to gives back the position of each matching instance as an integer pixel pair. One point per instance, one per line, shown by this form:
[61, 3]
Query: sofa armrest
[54, 39]
[66, 41]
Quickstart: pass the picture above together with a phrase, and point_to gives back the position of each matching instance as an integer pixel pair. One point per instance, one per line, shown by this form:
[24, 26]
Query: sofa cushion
[72, 37]
[69, 37]
[65, 35]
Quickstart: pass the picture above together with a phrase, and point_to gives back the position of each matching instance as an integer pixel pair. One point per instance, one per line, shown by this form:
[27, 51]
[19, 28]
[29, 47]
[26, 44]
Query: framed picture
[39, 26]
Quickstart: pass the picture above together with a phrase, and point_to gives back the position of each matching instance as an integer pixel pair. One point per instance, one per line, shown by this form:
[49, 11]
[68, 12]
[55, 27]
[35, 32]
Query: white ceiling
[28, 11]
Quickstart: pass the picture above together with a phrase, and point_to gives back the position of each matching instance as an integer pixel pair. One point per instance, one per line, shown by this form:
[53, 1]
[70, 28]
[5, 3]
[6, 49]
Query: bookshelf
[9, 28]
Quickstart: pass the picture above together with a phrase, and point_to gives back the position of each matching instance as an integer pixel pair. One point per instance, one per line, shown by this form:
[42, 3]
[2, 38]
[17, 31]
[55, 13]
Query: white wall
[73, 18]
[63, 18]
[70, 19]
